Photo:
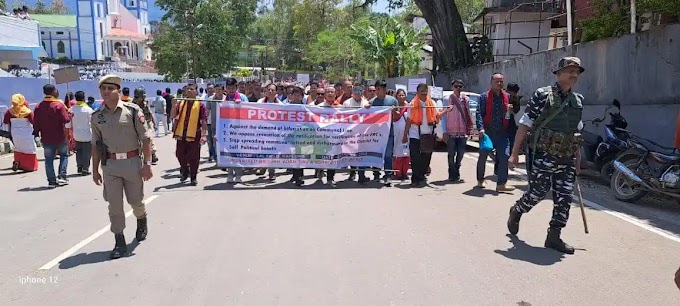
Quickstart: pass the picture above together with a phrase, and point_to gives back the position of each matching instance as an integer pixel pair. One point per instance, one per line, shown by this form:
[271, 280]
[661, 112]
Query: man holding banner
[382, 99]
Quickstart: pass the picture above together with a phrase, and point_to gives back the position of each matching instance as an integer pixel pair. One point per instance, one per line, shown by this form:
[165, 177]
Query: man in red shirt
[50, 117]
[191, 132]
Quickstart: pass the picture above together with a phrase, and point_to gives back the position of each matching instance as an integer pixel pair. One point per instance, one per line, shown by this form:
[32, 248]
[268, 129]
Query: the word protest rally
[328, 152]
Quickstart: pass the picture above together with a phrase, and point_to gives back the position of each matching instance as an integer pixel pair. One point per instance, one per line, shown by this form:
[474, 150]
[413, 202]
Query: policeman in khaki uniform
[119, 137]
[554, 116]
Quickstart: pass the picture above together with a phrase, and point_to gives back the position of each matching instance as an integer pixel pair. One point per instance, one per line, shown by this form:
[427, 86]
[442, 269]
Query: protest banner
[292, 136]
[413, 84]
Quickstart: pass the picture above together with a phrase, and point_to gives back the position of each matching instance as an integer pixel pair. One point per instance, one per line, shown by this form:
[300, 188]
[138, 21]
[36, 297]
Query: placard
[67, 74]
[293, 136]
[413, 84]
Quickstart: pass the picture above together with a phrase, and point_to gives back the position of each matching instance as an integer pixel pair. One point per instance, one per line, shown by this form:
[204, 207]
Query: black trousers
[419, 161]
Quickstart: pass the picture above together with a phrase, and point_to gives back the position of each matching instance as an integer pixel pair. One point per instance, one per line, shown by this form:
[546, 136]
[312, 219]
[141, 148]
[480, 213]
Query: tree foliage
[58, 7]
[394, 46]
[41, 8]
[612, 17]
[336, 53]
[201, 38]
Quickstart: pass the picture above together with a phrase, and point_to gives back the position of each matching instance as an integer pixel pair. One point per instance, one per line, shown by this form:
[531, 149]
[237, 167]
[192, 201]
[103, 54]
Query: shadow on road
[480, 192]
[263, 184]
[520, 250]
[29, 189]
[94, 257]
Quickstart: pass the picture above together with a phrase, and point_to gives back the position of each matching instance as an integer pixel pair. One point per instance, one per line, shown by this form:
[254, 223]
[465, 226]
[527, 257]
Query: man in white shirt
[82, 133]
[159, 113]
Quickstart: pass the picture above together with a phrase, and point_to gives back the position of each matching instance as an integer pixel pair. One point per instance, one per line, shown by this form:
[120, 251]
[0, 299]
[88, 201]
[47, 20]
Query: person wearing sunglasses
[457, 126]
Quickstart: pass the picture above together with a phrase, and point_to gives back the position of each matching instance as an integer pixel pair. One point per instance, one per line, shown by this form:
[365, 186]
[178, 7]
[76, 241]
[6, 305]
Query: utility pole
[633, 21]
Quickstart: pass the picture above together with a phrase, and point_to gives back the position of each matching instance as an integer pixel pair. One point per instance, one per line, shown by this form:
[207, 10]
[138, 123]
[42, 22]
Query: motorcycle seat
[672, 157]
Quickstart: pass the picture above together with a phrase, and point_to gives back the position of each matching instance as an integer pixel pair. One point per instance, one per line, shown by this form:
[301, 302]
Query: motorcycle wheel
[625, 189]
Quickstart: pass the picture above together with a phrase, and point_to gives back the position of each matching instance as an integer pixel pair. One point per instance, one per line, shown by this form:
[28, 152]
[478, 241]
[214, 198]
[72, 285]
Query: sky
[156, 14]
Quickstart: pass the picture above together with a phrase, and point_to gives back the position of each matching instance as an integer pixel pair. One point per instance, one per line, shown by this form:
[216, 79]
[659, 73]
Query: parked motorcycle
[646, 167]
[599, 153]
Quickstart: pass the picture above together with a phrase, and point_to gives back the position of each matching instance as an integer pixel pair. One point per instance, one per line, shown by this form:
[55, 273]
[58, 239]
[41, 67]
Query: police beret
[111, 79]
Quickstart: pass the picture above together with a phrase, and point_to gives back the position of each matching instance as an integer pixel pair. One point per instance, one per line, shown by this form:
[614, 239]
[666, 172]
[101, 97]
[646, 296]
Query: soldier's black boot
[120, 248]
[554, 241]
[513, 220]
[154, 158]
[142, 229]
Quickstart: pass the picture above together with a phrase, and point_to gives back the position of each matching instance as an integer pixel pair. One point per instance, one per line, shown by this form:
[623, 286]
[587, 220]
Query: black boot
[513, 220]
[120, 249]
[554, 241]
[142, 229]
[154, 159]
[184, 175]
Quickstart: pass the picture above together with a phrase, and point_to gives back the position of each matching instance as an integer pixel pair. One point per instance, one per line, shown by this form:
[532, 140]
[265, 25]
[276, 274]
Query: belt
[127, 155]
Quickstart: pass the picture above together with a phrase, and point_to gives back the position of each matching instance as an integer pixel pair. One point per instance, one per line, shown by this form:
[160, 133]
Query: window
[132, 3]
[43, 44]
[101, 30]
[61, 48]
[42, 32]
[99, 11]
[60, 33]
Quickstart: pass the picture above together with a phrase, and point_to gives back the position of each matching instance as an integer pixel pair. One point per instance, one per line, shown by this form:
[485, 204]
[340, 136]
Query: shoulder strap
[134, 116]
[550, 117]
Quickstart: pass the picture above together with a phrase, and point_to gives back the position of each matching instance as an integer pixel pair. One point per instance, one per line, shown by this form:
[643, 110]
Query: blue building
[100, 30]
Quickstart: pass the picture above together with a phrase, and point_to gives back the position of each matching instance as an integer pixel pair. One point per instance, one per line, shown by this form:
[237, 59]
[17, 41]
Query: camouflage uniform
[554, 141]
[140, 100]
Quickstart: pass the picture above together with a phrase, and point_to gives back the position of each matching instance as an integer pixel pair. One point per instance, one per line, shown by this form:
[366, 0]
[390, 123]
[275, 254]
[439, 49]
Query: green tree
[612, 17]
[451, 47]
[394, 46]
[201, 38]
[58, 7]
[40, 8]
[336, 52]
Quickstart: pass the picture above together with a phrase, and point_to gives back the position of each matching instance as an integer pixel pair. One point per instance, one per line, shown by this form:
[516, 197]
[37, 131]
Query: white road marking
[87, 240]
[625, 217]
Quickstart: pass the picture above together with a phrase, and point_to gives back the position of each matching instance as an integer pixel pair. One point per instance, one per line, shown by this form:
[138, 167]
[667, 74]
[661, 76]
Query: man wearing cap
[140, 100]
[554, 115]
[119, 133]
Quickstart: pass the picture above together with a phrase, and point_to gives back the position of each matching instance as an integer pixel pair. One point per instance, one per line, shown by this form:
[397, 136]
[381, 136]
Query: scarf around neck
[417, 111]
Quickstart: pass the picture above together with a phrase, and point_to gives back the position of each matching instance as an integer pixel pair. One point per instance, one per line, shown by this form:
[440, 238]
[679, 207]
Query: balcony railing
[554, 6]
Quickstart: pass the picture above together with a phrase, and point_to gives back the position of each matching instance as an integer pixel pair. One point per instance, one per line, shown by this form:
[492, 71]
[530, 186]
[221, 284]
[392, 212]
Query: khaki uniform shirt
[117, 128]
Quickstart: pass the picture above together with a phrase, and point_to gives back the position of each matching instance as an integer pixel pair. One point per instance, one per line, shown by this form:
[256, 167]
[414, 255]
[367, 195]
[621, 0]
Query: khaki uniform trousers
[120, 176]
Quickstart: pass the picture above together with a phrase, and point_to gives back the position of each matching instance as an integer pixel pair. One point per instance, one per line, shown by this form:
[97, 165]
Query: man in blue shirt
[493, 119]
[382, 99]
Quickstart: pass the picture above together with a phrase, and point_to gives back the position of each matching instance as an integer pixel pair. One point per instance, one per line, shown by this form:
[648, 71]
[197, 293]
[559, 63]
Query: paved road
[273, 244]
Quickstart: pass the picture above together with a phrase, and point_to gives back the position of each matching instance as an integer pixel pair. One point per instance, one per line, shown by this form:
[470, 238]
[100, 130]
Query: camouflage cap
[139, 92]
[568, 62]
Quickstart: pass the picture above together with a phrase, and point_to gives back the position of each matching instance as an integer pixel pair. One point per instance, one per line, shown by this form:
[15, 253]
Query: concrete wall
[19, 33]
[641, 70]
[32, 88]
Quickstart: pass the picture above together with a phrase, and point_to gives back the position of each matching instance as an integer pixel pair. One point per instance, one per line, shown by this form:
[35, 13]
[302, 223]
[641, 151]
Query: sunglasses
[458, 86]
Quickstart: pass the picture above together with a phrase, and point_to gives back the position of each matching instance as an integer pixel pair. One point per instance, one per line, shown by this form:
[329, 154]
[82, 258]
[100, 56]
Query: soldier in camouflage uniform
[554, 117]
[140, 100]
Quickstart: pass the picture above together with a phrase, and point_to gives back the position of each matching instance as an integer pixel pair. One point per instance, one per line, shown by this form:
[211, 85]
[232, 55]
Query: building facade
[19, 43]
[520, 27]
[101, 30]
